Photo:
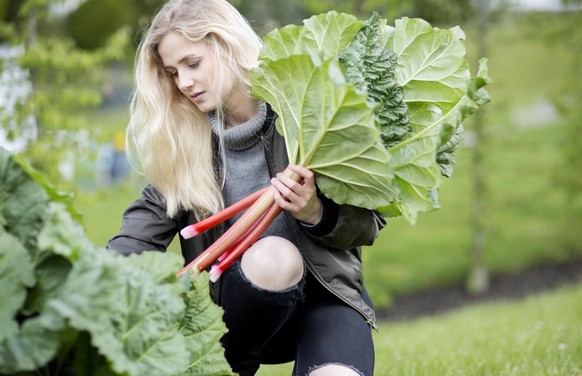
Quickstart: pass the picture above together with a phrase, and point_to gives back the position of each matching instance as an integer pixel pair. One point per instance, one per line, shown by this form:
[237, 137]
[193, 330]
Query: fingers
[283, 202]
[305, 173]
[293, 190]
[298, 197]
[285, 190]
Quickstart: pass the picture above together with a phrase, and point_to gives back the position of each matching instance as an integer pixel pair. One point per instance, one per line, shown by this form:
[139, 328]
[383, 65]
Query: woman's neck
[240, 111]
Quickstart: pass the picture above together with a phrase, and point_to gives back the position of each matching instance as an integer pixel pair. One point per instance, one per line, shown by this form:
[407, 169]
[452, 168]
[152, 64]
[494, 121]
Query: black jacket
[331, 249]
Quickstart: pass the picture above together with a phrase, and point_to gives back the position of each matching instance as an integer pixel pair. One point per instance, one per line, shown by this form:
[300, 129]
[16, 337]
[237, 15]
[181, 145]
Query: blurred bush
[95, 21]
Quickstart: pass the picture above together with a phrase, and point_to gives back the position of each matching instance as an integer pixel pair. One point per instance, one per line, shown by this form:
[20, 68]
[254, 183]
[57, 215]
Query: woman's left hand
[299, 198]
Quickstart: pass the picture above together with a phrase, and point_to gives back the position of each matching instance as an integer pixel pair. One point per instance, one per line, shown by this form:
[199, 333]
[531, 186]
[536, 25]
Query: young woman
[203, 143]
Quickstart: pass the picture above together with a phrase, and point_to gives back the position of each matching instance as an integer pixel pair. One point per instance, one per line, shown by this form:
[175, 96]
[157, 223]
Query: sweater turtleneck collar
[241, 136]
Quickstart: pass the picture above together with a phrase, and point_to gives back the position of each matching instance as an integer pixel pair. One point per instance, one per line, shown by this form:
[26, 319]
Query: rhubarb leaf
[29, 344]
[132, 320]
[371, 68]
[37, 342]
[328, 127]
[61, 234]
[22, 202]
[51, 273]
[202, 326]
[446, 152]
[437, 90]
[16, 275]
[60, 242]
[322, 37]
[116, 315]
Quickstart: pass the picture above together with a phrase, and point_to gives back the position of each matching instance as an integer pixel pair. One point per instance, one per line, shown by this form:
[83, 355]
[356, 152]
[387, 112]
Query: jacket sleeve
[145, 225]
[345, 226]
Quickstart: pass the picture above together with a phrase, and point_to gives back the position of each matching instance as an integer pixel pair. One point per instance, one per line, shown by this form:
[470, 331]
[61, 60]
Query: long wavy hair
[169, 140]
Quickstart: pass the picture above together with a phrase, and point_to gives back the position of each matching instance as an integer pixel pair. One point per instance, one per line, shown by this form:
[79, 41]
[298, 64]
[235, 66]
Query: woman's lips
[196, 97]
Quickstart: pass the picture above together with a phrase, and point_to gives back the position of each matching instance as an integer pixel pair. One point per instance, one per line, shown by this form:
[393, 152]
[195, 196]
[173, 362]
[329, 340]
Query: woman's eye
[194, 65]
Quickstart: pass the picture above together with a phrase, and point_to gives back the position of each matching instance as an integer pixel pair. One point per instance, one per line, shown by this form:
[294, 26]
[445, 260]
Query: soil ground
[501, 287]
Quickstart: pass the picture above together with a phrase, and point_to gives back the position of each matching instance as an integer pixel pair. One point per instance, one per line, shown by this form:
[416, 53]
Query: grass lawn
[102, 210]
[539, 335]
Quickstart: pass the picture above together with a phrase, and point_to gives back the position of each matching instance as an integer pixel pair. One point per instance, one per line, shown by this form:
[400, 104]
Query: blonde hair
[169, 140]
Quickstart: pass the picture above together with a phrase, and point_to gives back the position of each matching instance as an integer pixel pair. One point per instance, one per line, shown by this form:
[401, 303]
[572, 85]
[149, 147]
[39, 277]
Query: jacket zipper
[369, 321]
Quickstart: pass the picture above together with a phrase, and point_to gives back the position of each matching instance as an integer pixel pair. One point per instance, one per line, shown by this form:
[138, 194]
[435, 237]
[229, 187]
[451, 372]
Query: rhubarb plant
[70, 307]
[374, 110]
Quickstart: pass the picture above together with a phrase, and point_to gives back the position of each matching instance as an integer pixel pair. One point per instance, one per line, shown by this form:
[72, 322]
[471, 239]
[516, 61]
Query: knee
[334, 370]
[273, 263]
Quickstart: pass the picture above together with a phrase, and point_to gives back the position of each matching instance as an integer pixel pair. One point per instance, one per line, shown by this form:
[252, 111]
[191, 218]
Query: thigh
[330, 332]
[254, 317]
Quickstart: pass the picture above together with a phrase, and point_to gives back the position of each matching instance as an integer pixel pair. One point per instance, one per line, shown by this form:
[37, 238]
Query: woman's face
[193, 68]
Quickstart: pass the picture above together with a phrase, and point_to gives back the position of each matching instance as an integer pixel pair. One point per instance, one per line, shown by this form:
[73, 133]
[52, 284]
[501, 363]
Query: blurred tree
[362, 9]
[95, 21]
[8, 15]
[144, 10]
[567, 33]
[266, 15]
[437, 12]
[9, 9]
[444, 12]
[58, 81]
[478, 280]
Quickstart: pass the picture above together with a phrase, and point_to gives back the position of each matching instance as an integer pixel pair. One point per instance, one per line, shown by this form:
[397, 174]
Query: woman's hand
[299, 198]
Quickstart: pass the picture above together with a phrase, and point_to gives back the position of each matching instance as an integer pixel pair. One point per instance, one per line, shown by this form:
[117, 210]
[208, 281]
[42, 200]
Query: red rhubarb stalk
[236, 231]
[241, 247]
[208, 223]
[228, 251]
[216, 249]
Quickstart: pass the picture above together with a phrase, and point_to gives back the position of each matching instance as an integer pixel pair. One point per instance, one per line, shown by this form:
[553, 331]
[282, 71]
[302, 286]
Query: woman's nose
[185, 82]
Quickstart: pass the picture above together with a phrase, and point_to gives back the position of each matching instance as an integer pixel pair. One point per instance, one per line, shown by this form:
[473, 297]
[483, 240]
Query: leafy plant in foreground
[69, 306]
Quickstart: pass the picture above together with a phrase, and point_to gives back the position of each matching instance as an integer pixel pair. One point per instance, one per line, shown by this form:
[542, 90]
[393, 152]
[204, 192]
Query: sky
[549, 5]
[540, 4]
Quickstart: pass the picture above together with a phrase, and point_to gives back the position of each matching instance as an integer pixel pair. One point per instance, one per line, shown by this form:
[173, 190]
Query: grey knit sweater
[245, 167]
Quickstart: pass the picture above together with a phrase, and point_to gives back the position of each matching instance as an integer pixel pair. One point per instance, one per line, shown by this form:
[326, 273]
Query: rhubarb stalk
[237, 230]
[241, 246]
[208, 223]
[235, 245]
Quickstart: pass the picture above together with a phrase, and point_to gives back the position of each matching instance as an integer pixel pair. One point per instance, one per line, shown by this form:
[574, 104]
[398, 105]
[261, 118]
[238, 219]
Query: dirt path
[502, 287]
